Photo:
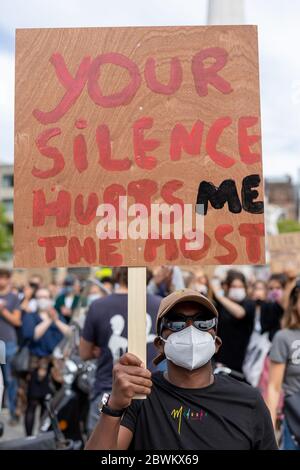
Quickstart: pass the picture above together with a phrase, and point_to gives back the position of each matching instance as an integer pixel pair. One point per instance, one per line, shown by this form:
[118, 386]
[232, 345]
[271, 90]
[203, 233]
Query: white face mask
[237, 294]
[190, 348]
[44, 304]
[92, 297]
[202, 288]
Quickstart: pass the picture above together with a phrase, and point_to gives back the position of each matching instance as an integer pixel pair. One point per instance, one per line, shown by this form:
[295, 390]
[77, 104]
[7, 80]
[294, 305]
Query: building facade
[282, 192]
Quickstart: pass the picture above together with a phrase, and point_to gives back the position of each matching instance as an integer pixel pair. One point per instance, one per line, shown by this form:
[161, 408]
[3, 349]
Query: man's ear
[218, 343]
[159, 344]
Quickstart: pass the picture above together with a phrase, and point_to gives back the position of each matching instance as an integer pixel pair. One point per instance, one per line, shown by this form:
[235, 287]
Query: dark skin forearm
[105, 434]
[130, 378]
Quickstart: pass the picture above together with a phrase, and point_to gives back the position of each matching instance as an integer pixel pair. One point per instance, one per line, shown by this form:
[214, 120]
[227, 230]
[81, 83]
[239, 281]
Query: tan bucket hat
[176, 297]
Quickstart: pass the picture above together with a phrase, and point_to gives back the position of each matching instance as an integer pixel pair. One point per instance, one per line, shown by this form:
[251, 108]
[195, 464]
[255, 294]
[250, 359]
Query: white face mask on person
[44, 304]
[237, 294]
[189, 348]
[202, 288]
[92, 297]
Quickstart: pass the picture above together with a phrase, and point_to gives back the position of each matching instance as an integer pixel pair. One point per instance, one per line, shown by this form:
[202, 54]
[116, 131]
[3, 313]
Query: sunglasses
[179, 322]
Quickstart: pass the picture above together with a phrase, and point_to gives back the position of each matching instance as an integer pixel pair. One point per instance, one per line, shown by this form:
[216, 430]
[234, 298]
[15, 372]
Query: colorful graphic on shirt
[188, 414]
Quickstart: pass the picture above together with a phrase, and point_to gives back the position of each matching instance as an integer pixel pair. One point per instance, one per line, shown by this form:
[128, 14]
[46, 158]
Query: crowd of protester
[259, 324]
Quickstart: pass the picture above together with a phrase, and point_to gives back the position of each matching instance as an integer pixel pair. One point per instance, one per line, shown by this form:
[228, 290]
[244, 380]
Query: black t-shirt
[106, 327]
[270, 317]
[227, 415]
[235, 334]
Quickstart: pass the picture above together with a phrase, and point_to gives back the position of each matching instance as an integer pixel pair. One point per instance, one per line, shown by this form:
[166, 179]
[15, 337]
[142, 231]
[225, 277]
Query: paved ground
[10, 432]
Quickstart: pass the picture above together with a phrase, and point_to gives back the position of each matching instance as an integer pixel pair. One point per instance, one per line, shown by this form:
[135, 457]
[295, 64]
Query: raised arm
[234, 308]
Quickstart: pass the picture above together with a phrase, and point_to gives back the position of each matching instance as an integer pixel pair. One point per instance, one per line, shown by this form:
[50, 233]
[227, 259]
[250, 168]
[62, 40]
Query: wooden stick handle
[137, 342]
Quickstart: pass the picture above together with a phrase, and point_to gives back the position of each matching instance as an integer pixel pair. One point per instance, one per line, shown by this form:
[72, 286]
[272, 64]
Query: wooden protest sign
[284, 252]
[153, 115]
[157, 115]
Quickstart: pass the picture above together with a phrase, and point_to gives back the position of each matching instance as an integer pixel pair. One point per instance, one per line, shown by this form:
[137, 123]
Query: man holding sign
[122, 125]
[187, 407]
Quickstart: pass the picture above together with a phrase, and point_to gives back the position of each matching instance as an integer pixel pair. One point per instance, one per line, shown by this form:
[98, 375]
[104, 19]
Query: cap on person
[176, 297]
[69, 280]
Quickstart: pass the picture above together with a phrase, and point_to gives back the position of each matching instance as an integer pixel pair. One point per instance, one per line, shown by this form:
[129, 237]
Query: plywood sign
[284, 252]
[146, 116]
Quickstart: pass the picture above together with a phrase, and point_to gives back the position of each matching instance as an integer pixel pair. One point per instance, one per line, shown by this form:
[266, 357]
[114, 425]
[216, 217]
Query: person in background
[285, 367]
[69, 299]
[43, 330]
[10, 319]
[14, 289]
[271, 309]
[105, 335]
[276, 285]
[259, 292]
[200, 283]
[92, 291]
[108, 283]
[236, 317]
[53, 289]
[95, 290]
[165, 279]
[266, 322]
[2, 361]
[28, 300]
[28, 303]
[290, 275]
[188, 277]
[105, 276]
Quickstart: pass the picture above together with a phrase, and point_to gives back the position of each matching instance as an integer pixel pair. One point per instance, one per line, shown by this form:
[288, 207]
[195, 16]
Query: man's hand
[130, 378]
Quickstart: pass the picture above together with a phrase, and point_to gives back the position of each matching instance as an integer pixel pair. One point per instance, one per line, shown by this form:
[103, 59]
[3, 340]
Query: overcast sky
[279, 42]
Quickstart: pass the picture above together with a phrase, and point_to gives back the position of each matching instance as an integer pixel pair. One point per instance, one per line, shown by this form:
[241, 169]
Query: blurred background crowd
[63, 336]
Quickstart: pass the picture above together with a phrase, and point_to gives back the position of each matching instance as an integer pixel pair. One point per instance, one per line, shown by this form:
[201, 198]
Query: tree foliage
[286, 226]
[5, 236]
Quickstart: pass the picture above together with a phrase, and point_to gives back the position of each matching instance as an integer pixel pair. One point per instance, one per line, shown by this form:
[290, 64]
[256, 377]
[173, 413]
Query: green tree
[5, 236]
[286, 225]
